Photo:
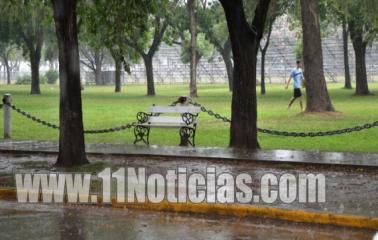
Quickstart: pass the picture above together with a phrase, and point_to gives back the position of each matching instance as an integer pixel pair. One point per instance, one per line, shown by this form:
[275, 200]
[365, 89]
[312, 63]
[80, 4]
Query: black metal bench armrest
[143, 117]
[189, 118]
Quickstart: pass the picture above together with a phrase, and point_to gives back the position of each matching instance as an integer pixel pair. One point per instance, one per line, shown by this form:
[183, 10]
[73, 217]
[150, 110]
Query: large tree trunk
[149, 74]
[118, 68]
[71, 135]
[193, 48]
[348, 81]
[98, 66]
[318, 99]
[35, 59]
[34, 65]
[359, 46]
[245, 42]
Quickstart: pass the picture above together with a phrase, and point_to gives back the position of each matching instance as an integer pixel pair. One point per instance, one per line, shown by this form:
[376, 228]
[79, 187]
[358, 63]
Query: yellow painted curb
[241, 210]
[8, 194]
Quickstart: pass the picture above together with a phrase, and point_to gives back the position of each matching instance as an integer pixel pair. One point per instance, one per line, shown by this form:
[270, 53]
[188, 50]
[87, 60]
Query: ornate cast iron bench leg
[142, 133]
[187, 135]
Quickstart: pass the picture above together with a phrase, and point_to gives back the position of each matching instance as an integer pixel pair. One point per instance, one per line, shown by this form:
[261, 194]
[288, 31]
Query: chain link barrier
[212, 114]
[54, 126]
[292, 134]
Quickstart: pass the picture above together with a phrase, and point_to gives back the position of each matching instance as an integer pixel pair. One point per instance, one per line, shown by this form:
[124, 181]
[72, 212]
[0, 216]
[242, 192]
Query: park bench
[183, 118]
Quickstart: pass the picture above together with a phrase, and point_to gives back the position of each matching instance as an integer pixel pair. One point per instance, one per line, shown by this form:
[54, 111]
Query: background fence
[280, 59]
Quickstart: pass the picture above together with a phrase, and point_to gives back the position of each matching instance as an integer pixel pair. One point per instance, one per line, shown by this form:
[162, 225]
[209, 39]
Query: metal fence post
[7, 116]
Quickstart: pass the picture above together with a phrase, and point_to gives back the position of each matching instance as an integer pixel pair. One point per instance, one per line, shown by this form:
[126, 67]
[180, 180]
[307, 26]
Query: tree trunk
[348, 81]
[117, 57]
[98, 66]
[318, 99]
[245, 42]
[263, 54]
[35, 50]
[71, 134]
[263, 51]
[118, 68]
[193, 48]
[150, 74]
[34, 65]
[359, 46]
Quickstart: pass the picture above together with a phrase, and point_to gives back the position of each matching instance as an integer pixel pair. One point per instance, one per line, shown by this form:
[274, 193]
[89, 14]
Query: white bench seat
[181, 117]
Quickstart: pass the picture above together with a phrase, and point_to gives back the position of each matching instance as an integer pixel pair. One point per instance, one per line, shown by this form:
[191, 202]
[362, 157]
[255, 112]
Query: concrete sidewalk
[274, 156]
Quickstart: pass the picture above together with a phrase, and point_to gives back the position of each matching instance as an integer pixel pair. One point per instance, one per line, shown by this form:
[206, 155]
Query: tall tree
[29, 20]
[127, 20]
[6, 54]
[142, 42]
[71, 134]
[245, 41]
[318, 99]
[263, 50]
[212, 23]
[362, 22]
[336, 16]
[6, 46]
[92, 49]
[348, 79]
[360, 43]
[277, 8]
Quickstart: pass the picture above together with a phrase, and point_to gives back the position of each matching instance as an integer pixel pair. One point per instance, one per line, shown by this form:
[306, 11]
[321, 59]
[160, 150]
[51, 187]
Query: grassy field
[103, 108]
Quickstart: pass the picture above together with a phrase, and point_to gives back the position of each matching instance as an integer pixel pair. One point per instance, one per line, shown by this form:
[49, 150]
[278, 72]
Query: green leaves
[362, 14]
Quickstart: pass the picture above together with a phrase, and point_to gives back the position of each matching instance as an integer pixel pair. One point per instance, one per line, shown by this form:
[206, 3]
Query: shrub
[51, 76]
[23, 80]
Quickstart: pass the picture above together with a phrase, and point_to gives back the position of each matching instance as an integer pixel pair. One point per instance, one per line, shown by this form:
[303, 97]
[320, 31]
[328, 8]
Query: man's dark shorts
[297, 93]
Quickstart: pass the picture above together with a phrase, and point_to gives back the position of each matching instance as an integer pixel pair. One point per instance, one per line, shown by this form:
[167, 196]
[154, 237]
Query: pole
[7, 99]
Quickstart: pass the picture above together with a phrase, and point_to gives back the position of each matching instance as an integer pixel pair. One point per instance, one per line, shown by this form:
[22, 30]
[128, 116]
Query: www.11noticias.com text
[135, 185]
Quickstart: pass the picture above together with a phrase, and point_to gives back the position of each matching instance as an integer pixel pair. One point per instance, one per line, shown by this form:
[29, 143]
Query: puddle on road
[56, 222]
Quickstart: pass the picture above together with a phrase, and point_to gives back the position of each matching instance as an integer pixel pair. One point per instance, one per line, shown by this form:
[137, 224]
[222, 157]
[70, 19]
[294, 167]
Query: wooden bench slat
[166, 120]
[164, 125]
[175, 109]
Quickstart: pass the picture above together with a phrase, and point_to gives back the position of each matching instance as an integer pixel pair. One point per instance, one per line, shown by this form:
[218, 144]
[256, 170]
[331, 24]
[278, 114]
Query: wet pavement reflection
[36, 222]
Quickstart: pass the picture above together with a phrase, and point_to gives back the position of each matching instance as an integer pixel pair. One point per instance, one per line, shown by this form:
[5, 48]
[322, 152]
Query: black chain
[213, 114]
[110, 130]
[293, 134]
[54, 126]
[31, 117]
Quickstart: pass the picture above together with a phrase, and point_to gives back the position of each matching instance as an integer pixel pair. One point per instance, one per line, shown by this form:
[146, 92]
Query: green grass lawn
[103, 109]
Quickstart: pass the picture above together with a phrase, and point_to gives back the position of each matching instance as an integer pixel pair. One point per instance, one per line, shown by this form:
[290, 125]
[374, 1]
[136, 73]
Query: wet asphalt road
[36, 222]
[349, 190]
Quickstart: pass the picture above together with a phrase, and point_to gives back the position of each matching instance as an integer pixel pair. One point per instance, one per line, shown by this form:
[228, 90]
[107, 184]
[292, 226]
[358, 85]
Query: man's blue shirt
[297, 75]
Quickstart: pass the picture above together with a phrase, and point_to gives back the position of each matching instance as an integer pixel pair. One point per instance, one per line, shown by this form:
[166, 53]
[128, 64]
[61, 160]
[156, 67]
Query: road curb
[240, 210]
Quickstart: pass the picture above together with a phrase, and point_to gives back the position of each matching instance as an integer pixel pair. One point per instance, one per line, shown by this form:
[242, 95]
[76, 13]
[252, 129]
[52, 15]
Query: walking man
[297, 76]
